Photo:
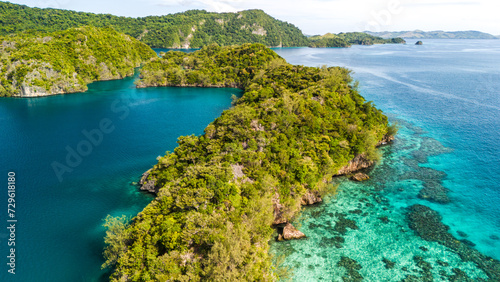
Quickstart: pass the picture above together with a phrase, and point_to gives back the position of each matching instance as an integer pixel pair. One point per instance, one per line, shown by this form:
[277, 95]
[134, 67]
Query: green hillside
[38, 64]
[191, 29]
[218, 194]
[350, 38]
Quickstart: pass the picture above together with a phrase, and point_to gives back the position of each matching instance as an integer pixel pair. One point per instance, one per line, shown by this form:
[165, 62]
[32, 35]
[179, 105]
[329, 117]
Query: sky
[317, 16]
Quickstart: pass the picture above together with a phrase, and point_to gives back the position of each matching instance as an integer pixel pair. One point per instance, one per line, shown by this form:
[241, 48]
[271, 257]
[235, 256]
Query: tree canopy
[290, 132]
[66, 61]
[350, 38]
[191, 29]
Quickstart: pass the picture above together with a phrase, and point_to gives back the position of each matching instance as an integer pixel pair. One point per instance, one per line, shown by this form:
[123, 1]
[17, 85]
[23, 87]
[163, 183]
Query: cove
[59, 235]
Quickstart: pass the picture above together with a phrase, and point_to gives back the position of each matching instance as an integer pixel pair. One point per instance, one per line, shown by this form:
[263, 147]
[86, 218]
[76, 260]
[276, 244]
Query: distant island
[350, 38]
[438, 34]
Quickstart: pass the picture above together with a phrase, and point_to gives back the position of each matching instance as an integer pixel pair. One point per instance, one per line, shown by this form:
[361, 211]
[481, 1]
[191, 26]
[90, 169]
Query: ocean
[445, 98]
[76, 159]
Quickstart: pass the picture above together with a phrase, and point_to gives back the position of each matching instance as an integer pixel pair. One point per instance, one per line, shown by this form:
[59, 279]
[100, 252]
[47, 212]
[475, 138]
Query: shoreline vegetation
[39, 64]
[275, 150]
[350, 38]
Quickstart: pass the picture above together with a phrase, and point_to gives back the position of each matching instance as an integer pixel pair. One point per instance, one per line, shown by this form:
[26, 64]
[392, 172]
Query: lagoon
[443, 94]
[59, 234]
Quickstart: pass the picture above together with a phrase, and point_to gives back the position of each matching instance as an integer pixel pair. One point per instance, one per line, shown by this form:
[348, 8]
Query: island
[190, 29]
[350, 38]
[219, 195]
[37, 64]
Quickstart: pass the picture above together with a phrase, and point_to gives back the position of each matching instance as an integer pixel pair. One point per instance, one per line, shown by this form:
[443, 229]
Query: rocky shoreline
[282, 218]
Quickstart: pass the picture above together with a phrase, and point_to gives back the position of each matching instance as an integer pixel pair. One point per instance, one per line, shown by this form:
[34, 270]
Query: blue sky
[317, 16]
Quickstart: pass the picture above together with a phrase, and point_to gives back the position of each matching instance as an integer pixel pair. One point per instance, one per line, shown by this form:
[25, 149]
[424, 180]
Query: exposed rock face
[290, 233]
[427, 224]
[148, 185]
[360, 177]
[278, 210]
[385, 140]
[359, 162]
[59, 83]
[311, 198]
[259, 31]
[238, 174]
[32, 91]
[105, 73]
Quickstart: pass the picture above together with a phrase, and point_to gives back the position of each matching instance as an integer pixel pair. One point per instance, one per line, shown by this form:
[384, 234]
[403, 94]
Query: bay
[59, 234]
[443, 94]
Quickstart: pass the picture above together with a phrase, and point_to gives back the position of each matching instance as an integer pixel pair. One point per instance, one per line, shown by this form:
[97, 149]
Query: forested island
[219, 194]
[350, 38]
[190, 29]
[36, 64]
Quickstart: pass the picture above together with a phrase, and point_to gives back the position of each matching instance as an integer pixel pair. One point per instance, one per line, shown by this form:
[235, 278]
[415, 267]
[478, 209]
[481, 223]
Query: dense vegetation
[350, 38]
[191, 29]
[33, 64]
[289, 133]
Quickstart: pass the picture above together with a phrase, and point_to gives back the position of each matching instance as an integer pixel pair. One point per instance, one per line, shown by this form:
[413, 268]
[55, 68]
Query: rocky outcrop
[290, 233]
[419, 43]
[311, 198]
[42, 70]
[359, 162]
[427, 224]
[259, 31]
[148, 184]
[33, 91]
[385, 140]
[360, 177]
[278, 210]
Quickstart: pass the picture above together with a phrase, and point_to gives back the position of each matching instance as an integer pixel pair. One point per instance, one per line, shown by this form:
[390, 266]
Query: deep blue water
[445, 95]
[59, 233]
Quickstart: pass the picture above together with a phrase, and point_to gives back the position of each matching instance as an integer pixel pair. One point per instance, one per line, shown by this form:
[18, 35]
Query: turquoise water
[445, 97]
[59, 233]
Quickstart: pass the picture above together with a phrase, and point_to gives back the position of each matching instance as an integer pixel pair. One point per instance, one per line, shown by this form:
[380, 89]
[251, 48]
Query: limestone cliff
[36, 65]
